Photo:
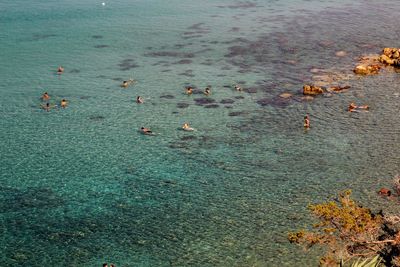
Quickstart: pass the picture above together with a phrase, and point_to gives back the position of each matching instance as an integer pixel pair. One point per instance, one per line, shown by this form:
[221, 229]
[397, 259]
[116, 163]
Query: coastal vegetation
[351, 233]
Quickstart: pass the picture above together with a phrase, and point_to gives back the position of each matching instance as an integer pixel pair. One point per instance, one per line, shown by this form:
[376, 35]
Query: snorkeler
[144, 130]
[127, 83]
[306, 122]
[186, 127]
[60, 70]
[63, 103]
[139, 100]
[189, 90]
[238, 88]
[353, 107]
[207, 91]
[45, 96]
[46, 107]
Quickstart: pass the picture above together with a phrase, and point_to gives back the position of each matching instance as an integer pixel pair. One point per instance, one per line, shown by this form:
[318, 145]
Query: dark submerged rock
[227, 101]
[211, 106]
[182, 105]
[167, 96]
[204, 101]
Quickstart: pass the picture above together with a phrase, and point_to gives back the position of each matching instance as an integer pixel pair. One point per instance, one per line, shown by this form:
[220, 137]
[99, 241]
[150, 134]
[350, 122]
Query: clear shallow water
[81, 186]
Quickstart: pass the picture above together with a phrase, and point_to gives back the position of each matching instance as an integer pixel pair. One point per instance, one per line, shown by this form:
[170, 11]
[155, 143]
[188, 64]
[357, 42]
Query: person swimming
[60, 70]
[238, 88]
[186, 127]
[127, 83]
[306, 122]
[189, 90]
[145, 130]
[45, 96]
[207, 91]
[353, 107]
[64, 103]
[139, 100]
[46, 107]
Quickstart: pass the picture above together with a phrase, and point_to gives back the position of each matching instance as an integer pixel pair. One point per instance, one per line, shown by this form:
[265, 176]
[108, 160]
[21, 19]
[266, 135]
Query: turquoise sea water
[81, 186]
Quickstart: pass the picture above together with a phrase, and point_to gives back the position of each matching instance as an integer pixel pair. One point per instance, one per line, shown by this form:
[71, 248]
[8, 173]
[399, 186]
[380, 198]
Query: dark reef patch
[97, 118]
[204, 101]
[38, 36]
[127, 64]
[101, 46]
[250, 90]
[211, 106]
[274, 102]
[182, 105]
[236, 113]
[97, 36]
[183, 61]
[167, 96]
[188, 137]
[170, 54]
[37, 198]
[227, 101]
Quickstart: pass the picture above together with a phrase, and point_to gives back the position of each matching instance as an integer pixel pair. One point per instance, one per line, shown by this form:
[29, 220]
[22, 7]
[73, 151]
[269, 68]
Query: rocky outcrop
[312, 90]
[365, 69]
[390, 56]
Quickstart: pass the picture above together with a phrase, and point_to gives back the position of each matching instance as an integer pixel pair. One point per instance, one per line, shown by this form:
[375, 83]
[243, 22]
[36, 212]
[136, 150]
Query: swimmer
[139, 100]
[60, 70]
[306, 122]
[353, 107]
[186, 127]
[64, 103]
[207, 91]
[45, 96]
[46, 107]
[125, 84]
[238, 88]
[144, 130]
[189, 90]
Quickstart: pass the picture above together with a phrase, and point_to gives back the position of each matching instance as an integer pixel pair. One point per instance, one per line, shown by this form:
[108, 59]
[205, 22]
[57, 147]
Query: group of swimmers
[47, 106]
[207, 90]
[185, 126]
[46, 97]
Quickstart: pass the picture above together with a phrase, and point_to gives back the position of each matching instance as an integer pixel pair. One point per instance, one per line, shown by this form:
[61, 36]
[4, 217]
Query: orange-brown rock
[390, 56]
[312, 90]
[366, 69]
[386, 60]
